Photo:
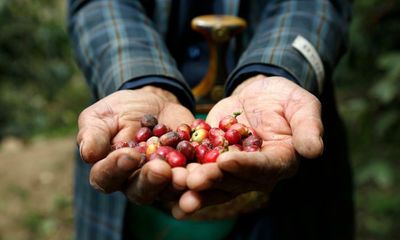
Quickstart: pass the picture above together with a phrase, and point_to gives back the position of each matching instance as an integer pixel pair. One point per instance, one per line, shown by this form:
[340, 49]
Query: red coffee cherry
[219, 141]
[200, 151]
[211, 156]
[164, 150]
[143, 134]
[215, 132]
[186, 148]
[176, 159]
[251, 148]
[183, 135]
[252, 140]
[149, 121]
[184, 128]
[119, 145]
[241, 128]
[170, 139]
[200, 124]
[233, 136]
[226, 122]
[160, 129]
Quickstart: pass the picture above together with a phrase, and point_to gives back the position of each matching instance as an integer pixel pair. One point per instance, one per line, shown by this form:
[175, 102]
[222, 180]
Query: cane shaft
[218, 30]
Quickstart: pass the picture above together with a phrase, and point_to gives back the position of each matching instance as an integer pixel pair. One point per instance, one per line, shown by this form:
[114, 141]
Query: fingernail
[317, 141]
[321, 141]
[81, 151]
[228, 164]
[156, 178]
[95, 186]
[192, 202]
[178, 187]
[126, 163]
[177, 212]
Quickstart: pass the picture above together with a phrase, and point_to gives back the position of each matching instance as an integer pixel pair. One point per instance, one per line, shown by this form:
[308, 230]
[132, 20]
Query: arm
[323, 23]
[115, 43]
[283, 114]
[117, 48]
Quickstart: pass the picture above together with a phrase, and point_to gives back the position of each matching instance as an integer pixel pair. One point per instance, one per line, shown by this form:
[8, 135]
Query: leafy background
[42, 93]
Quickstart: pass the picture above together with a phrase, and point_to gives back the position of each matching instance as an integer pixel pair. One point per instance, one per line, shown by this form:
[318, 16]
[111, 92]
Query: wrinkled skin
[288, 120]
[117, 118]
[283, 114]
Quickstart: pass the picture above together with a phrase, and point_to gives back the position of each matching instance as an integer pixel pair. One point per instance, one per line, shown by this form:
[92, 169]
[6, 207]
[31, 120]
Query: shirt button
[193, 52]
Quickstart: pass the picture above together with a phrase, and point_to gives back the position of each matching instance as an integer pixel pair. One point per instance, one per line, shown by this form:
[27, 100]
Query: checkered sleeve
[322, 23]
[115, 42]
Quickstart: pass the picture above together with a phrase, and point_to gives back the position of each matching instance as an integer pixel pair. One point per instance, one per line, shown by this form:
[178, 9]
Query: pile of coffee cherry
[198, 142]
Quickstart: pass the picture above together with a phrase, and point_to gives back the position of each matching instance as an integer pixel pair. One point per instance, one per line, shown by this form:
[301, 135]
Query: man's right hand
[117, 118]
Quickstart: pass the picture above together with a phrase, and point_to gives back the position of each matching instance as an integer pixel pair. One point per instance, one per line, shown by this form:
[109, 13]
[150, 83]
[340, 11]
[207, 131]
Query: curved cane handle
[218, 30]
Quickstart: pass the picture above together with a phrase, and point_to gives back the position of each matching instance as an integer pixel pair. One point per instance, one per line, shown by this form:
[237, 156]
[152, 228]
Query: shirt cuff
[252, 70]
[185, 98]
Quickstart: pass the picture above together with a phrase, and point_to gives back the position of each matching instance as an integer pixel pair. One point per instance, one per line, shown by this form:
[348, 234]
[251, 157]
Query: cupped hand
[116, 118]
[284, 115]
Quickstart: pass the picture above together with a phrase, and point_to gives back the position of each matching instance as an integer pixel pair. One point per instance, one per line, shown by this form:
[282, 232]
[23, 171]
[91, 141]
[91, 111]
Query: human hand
[288, 120]
[116, 118]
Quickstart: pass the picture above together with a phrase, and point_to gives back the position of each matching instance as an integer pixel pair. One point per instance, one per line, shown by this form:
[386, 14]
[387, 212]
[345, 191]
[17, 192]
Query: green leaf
[379, 172]
[387, 121]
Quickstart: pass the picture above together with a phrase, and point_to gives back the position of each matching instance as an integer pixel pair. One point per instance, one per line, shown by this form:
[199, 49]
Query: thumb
[307, 128]
[95, 133]
[174, 114]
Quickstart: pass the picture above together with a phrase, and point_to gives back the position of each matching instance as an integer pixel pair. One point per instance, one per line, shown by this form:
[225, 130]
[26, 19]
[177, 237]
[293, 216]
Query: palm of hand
[264, 105]
[284, 115]
[118, 115]
[264, 110]
[117, 118]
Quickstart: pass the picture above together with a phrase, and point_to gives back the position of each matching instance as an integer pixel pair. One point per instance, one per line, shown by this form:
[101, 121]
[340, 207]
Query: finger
[210, 176]
[180, 115]
[307, 128]
[110, 174]
[224, 107]
[274, 162]
[179, 176]
[94, 135]
[204, 176]
[218, 112]
[173, 191]
[192, 166]
[145, 185]
[177, 212]
[192, 201]
[127, 133]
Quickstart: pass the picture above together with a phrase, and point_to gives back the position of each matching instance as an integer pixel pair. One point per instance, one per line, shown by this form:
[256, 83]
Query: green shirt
[149, 223]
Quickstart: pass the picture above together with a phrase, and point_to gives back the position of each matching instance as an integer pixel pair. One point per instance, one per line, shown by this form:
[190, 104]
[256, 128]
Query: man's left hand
[284, 115]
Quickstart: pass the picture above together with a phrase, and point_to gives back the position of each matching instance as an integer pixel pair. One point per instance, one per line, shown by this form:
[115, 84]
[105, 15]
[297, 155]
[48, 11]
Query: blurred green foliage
[38, 91]
[41, 92]
[368, 84]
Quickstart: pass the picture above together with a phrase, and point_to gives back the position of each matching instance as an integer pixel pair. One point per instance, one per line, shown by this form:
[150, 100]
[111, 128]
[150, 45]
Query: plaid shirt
[122, 41]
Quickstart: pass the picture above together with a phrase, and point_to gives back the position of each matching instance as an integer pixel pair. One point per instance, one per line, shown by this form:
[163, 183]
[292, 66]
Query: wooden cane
[218, 30]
